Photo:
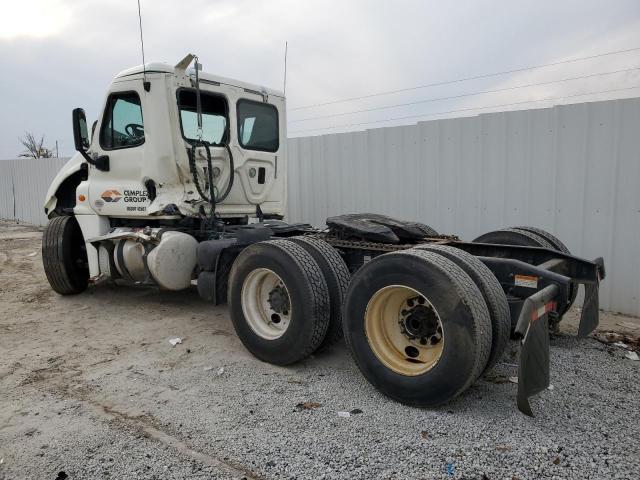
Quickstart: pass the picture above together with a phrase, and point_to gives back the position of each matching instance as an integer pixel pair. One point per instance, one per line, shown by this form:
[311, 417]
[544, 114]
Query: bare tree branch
[34, 148]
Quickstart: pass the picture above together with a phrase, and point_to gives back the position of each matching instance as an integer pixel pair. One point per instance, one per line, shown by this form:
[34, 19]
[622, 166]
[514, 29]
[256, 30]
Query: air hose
[231, 175]
[212, 199]
[194, 172]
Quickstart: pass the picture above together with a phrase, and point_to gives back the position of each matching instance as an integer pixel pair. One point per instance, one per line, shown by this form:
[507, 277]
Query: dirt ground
[90, 387]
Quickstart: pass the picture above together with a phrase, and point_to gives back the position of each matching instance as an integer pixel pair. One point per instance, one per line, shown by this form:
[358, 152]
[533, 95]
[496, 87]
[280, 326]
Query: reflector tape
[543, 310]
[527, 281]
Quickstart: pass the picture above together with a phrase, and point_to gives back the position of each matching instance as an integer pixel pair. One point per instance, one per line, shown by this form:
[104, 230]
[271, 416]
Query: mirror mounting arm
[101, 162]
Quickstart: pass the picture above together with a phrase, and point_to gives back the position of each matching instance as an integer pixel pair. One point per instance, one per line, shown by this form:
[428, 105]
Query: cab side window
[214, 116]
[258, 126]
[122, 125]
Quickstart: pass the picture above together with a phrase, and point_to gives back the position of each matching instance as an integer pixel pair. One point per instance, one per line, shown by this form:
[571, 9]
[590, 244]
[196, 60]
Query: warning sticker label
[526, 281]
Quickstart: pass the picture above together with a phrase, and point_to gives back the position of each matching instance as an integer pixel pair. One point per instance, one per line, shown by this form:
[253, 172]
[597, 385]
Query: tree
[35, 149]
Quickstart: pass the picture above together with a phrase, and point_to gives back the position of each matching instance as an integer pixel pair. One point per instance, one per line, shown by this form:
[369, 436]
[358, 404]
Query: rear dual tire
[531, 237]
[337, 276]
[491, 291]
[386, 296]
[271, 283]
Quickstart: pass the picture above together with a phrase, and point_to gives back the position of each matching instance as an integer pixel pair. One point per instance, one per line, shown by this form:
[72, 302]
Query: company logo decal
[111, 196]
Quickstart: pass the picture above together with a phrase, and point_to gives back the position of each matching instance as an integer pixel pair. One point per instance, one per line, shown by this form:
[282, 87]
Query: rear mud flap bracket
[533, 327]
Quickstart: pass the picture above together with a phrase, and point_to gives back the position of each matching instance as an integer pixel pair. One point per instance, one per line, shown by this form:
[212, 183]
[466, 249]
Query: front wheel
[64, 256]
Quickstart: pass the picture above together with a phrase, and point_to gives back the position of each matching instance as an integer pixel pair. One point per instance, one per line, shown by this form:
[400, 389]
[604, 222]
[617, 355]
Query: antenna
[286, 44]
[145, 83]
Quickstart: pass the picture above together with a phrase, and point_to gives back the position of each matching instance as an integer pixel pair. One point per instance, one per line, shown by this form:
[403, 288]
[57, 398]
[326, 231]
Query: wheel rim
[266, 303]
[404, 330]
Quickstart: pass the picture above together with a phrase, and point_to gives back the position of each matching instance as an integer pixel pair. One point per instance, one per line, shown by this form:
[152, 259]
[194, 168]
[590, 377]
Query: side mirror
[80, 131]
[82, 141]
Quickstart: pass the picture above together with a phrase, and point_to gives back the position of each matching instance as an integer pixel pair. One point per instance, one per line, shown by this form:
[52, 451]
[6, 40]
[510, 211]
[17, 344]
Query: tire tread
[55, 265]
[471, 296]
[492, 292]
[337, 276]
[316, 287]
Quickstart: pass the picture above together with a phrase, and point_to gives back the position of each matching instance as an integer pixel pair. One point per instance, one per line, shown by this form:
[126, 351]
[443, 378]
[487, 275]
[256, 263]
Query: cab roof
[161, 67]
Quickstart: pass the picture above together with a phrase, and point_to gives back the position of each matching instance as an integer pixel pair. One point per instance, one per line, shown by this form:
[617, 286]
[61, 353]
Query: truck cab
[146, 154]
[147, 125]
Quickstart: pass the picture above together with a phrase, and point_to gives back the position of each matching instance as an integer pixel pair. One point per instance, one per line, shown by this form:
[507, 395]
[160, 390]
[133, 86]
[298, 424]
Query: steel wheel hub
[404, 330]
[266, 304]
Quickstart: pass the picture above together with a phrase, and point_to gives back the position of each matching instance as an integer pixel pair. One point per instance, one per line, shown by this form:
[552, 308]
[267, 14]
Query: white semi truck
[182, 181]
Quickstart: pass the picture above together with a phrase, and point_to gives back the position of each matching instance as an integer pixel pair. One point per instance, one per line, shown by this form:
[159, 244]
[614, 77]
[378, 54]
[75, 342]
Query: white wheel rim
[268, 317]
[391, 336]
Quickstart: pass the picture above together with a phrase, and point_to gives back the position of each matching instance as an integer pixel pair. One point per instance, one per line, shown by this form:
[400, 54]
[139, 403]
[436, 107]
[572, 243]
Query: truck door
[120, 192]
[258, 136]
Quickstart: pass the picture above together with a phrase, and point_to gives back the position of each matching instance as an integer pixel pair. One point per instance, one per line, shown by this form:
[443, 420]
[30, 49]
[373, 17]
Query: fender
[71, 167]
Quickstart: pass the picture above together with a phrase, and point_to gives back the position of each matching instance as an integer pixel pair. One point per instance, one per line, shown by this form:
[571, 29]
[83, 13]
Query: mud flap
[589, 318]
[533, 327]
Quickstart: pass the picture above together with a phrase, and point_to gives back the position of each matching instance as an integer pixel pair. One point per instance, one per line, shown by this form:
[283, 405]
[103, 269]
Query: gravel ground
[90, 386]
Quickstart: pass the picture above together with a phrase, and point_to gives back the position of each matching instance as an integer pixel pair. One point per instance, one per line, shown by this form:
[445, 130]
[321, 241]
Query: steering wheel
[134, 130]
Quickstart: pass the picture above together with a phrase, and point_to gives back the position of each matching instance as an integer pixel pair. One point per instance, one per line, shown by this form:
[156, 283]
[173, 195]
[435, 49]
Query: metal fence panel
[6, 190]
[23, 186]
[572, 170]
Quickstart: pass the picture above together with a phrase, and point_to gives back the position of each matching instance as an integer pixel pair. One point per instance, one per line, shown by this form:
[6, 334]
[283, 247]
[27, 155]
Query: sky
[60, 54]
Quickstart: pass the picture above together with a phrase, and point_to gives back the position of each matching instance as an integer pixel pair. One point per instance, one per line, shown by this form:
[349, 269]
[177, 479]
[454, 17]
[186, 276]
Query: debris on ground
[344, 414]
[175, 341]
[451, 470]
[499, 379]
[632, 356]
[622, 340]
[296, 381]
[307, 406]
[210, 368]
[33, 254]
[513, 379]
[355, 411]
[629, 325]
[424, 434]
[550, 387]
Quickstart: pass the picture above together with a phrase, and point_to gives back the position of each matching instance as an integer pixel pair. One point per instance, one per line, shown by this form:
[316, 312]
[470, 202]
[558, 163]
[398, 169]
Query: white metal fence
[23, 185]
[572, 170]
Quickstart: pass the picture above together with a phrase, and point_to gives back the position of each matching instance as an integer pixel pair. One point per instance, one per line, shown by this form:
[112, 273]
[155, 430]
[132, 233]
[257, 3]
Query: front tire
[64, 256]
